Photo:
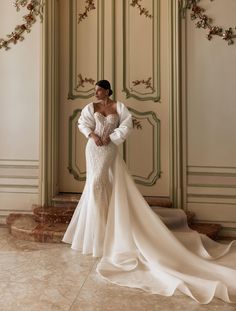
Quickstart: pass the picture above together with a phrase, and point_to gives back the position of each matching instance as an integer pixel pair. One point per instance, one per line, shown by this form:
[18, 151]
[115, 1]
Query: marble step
[71, 200]
[190, 217]
[48, 224]
[63, 215]
[52, 214]
[26, 227]
[211, 230]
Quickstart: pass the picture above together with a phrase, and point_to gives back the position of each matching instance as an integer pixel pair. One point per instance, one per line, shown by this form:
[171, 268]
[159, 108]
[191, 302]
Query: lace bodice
[105, 125]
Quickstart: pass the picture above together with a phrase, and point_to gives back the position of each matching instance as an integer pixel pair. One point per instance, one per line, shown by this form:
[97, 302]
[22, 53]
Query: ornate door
[128, 43]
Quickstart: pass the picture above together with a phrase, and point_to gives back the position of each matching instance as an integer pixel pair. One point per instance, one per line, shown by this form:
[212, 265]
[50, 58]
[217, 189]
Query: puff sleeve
[120, 133]
[86, 121]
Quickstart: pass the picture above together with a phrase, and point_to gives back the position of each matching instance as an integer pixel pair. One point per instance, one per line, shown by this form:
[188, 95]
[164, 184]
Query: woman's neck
[105, 102]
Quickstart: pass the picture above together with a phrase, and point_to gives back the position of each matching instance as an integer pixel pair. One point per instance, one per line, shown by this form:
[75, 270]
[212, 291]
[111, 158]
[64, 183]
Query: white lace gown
[137, 247]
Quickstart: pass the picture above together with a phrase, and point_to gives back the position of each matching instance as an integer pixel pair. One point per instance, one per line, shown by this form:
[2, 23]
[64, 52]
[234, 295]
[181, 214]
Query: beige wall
[210, 118]
[19, 117]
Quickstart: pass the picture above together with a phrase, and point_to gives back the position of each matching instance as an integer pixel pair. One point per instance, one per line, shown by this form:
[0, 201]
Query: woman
[113, 221]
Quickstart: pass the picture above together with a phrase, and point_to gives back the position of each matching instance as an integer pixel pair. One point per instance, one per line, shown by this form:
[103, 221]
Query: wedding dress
[139, 248]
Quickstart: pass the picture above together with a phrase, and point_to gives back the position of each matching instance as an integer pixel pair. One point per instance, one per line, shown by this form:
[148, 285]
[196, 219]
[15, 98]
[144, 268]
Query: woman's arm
[119, 134]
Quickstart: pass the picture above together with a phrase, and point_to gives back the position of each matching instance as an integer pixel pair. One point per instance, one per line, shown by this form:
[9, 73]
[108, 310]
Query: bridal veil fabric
[138, 248]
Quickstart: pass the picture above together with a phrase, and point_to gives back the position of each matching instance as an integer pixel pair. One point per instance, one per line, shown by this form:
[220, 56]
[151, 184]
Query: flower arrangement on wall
[89, 5]
[204, 21]
[142, 10]
[35, 9]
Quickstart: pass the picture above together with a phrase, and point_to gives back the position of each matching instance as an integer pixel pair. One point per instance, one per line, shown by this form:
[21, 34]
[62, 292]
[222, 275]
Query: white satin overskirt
[138, 250]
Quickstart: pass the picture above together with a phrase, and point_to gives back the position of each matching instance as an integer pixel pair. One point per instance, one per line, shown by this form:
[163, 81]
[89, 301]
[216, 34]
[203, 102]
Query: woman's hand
[96, 138]
[106, 140]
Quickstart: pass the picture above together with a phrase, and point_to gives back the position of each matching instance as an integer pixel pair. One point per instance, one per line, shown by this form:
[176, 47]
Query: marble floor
[44, 277]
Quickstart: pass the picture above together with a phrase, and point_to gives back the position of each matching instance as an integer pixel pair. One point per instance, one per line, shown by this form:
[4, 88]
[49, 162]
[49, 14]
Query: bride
[137, 247]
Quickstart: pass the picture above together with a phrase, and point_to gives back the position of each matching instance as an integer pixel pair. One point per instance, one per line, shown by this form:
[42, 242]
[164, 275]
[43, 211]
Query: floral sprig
[145, 82]
[35, 8]
[90, 6]
[204, 21]
[141, 9]
[82, 81]
[136, 124]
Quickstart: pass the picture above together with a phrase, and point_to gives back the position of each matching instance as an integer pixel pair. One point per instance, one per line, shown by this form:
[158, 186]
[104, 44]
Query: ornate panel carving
[141, 72]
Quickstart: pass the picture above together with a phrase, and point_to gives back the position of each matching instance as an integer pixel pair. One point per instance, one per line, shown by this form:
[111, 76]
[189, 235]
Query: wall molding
[211, 185]
[155, 123]
[19, 163]
[211, 202]
[49, 116]
[210, 166]
[177, 138]
[72, 167]
[19, 176]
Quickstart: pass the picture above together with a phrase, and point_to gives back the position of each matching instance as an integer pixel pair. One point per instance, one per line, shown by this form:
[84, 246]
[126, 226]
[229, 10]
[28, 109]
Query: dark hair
[105, 84]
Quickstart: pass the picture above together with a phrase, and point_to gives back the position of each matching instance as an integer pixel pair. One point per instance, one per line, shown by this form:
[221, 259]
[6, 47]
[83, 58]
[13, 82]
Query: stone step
[52, 214]
[63, 215]
[25, 227]
[190, 217]
[71, 200]
[66, 200]
[211, 230]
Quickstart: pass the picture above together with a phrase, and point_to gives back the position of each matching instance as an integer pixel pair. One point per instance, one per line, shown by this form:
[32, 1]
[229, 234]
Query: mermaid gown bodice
[105, 125]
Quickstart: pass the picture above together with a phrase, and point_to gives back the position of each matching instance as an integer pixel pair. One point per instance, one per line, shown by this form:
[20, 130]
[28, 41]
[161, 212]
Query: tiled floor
[45, 277]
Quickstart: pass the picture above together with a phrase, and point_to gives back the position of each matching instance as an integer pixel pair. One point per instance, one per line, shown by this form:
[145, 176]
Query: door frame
[49, 112]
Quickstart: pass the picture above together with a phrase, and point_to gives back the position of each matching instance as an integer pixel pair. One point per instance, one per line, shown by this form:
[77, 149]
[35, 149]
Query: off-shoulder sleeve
[86, 122]
[119, 134]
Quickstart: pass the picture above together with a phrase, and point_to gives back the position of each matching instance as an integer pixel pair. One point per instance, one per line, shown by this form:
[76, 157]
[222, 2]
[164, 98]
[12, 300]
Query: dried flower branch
[90, 6]
[204, 21]
[141, 9]
[136, 124]
[82, 81]
[145, 82]
[35, 8]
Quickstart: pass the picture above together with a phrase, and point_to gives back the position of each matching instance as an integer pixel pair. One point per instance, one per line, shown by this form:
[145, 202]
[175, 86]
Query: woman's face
[101, 93]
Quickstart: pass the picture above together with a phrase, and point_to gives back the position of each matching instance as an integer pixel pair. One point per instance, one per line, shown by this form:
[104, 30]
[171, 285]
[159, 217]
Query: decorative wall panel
[91, 56]
[141, 62]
